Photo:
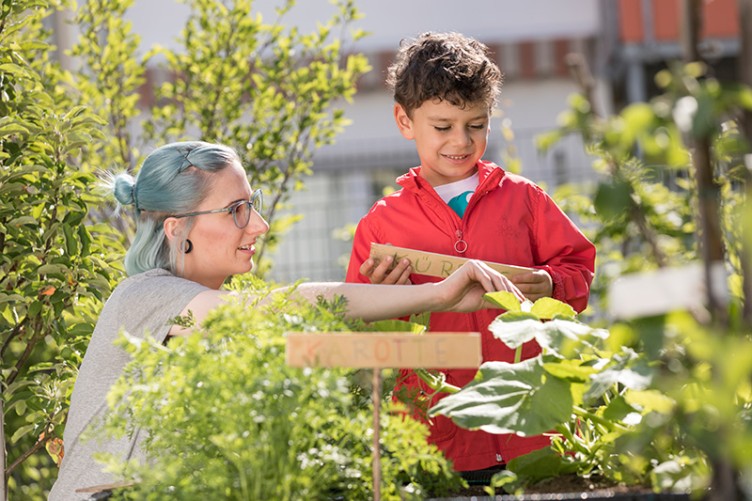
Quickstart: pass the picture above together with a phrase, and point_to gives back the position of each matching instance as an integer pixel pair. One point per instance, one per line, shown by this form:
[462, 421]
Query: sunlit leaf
[509, 398]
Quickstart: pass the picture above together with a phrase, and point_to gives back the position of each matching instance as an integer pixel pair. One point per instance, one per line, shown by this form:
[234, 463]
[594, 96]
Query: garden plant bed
[570, 487]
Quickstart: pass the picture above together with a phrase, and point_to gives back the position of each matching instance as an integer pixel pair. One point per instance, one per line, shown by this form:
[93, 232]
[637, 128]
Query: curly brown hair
[447, 66]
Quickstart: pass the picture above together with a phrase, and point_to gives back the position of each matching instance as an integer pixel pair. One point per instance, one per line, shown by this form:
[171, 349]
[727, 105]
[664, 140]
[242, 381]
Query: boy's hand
[534, 284]
[381, 274]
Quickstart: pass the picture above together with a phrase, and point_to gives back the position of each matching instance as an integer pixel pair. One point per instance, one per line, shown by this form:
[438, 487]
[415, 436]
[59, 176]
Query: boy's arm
[564, 252]
[363, 269]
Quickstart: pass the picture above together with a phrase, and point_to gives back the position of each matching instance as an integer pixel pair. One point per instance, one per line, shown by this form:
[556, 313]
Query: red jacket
[509, 220]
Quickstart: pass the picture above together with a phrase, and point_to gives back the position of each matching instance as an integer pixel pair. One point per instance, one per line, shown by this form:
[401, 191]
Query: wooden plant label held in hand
[433, 264]
[384, 350]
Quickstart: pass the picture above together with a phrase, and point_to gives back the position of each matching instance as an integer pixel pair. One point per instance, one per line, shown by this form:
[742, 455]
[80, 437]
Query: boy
[445, 88]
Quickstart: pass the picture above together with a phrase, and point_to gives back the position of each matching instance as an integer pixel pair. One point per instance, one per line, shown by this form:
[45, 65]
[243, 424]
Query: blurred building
[624, 42]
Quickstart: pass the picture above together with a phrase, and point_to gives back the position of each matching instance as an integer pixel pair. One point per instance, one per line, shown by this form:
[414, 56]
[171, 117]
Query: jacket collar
[489, 175]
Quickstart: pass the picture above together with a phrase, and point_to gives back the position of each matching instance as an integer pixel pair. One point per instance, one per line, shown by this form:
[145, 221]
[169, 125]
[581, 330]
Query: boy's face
[450, 140]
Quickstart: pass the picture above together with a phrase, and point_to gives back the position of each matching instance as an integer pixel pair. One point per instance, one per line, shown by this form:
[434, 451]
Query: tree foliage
[269, 91]
[643, 211]
[55, 270]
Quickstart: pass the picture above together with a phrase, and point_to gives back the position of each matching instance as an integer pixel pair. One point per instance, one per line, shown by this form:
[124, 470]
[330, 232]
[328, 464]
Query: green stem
[609, 425]
[436, 383]
[518, 354]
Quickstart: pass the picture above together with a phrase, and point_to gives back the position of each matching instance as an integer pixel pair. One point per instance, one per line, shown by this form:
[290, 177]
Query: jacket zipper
[460, 246]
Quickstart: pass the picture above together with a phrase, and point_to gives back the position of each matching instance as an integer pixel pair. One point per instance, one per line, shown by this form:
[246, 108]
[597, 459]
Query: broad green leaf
[617, 409]
[71, 242]
[650, 401]
[559, 337]
[568, 338]
[540, 464]
[547, 308]
[571, 370]
[628, 370]
[509, 398]
[516, 330]
[504, 300]
[10, 298]
[22, 220]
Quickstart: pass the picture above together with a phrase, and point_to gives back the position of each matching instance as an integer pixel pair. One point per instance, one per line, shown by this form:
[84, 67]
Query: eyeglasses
[241, 211]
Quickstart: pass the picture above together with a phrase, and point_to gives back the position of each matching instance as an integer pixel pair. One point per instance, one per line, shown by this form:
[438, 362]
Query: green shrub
[55, 270]
[228, 419]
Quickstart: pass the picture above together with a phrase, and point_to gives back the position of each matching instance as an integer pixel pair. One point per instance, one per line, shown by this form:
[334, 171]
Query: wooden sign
[433, 264]
[379, 350]
[384, 350]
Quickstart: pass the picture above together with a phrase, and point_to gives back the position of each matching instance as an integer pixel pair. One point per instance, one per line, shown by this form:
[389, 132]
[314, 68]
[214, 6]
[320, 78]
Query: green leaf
[396, 326]
[516, 330]
[571, 370]
[504, 300]
[650, 401]
[540, 464]
[638, 119]
[618, 409]
[21, 432]
[547, 308]
[628, 370]
[559, 337]
[71, 243]
[23, 220]
[509, 398]
[52, 269]
[613, 198]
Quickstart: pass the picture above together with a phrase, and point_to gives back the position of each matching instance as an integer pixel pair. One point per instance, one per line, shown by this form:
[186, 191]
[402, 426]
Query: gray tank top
[142, 304]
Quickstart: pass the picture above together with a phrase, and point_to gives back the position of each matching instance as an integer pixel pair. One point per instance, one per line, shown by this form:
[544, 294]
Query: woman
[197, 224]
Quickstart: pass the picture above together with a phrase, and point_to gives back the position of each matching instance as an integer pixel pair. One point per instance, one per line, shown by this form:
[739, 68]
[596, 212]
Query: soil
[565, 484]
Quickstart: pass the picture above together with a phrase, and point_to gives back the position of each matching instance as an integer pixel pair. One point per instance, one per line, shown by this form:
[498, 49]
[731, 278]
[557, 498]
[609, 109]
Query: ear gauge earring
[187, 246]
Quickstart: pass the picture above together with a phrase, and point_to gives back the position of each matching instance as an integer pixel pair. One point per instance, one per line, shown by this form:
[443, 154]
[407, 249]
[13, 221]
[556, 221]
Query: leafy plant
[54, 270]
[612, 412]
[643, 212]
[685, 144]
[246, 426]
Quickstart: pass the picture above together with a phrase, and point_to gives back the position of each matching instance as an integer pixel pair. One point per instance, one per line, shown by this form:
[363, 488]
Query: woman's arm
[462, 291]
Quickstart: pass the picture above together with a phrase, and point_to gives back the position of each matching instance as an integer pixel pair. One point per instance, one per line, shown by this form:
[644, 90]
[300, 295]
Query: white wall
[497, 20]
[388, 21]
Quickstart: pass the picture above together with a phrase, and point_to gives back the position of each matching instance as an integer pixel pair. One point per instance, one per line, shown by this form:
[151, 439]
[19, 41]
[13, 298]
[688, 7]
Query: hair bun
[124, 187]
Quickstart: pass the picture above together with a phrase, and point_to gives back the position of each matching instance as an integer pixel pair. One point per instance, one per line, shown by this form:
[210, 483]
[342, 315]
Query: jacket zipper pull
[460, 246]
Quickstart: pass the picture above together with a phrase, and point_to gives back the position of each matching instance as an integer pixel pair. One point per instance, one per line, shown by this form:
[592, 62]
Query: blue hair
[174, 179]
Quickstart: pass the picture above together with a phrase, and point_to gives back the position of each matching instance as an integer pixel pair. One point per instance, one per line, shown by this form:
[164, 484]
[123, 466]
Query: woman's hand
[463, 290]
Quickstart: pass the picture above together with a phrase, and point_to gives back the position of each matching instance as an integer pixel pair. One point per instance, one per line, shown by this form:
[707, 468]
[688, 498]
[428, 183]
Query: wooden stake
[376, 397]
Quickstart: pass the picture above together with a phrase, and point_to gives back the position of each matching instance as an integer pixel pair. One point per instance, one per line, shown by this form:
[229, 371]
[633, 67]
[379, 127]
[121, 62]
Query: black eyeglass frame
[256, 203]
